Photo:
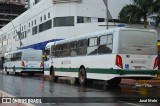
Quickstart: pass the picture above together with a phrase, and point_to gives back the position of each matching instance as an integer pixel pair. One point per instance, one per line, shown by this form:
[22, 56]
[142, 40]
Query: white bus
[24, 61]
[107, 55]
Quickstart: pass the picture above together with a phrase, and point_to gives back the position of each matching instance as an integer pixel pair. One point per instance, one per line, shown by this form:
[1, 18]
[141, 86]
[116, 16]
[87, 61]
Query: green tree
[139, 9]
[157, 10]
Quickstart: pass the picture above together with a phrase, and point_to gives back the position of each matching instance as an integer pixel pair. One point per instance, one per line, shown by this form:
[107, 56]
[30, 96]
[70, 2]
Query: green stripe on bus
[107, 71]
[148, 72]
[46, 69]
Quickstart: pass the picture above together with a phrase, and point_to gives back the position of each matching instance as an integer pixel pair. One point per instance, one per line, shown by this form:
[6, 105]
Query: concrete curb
[153, 82]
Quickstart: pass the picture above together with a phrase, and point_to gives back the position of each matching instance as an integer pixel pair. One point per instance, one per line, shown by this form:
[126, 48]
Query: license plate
[32, 66]
[138, 67]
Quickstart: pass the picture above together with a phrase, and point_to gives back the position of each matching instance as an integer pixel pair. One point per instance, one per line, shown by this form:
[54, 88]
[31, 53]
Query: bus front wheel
[14, 70]
[52, 74]
[21, 73]
[82, 76]
[6, 71]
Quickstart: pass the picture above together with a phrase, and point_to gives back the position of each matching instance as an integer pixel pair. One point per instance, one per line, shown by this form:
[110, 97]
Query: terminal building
[51, 20]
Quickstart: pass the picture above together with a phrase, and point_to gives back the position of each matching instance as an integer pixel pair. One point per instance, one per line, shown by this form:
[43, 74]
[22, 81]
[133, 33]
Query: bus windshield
[32, 55]
[137, 42]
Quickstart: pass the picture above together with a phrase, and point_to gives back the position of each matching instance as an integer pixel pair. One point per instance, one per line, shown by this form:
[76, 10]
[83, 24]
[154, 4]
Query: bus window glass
[105, 44]
[53, 52]
[73, 45]
[16, 56]
[92, 49]
[92, 41]
[103, 40]
[46, 55]
[82, 47]
[110, 39]
[47, 52]
[65, 51]
[110, 46]
[58, 50]
[73, 48]
[82, 43]
[7, 58]
[137, 43]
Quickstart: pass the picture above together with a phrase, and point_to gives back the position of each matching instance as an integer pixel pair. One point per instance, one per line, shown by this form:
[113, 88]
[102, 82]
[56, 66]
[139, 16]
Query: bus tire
[21, 73]
[51, 71]
[7, 73]
[82, 76]
[14, 70]
[114, 82]
[15, 73]
[52, 74]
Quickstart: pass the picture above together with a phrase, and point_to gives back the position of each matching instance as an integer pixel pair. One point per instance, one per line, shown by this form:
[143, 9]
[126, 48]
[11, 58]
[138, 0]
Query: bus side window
[65, 51]
[73, 48]
[92, 46]
[58, 51]
[105, 44]
[46, 55]
[82, 47]
[53, 51]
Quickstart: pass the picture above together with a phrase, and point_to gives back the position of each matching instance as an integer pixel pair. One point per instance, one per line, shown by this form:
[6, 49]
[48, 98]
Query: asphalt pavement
[67, 94]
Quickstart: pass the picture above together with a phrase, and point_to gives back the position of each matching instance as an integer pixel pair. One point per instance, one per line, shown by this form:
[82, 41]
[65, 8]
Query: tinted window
[73, 49]
[45, 26]
[82, 47]
[65, 51]
[101, 20]
[80, 19]
[64, 21]
[34, 30]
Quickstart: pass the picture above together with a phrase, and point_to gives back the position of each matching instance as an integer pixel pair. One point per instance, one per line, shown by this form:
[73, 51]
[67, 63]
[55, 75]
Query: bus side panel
[10, 66]
[97, 67]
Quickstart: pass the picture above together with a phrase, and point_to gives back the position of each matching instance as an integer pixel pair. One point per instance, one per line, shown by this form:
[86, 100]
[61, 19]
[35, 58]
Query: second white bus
[106, 55]
[24, 61]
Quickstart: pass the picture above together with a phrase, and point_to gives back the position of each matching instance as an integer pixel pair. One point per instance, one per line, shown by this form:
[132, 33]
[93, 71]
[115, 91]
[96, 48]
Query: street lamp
[106, 4]
[107, 13]
[18, 33]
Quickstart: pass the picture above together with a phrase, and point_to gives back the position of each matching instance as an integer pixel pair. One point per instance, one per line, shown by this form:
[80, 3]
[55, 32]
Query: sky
[116, 5]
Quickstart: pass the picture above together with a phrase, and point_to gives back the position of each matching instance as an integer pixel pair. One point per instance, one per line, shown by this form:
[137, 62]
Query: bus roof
[18, 51]
[98, 33]
[49, 44]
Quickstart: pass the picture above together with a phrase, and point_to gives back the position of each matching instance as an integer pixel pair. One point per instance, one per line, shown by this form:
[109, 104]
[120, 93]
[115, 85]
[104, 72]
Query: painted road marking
[133, 104]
